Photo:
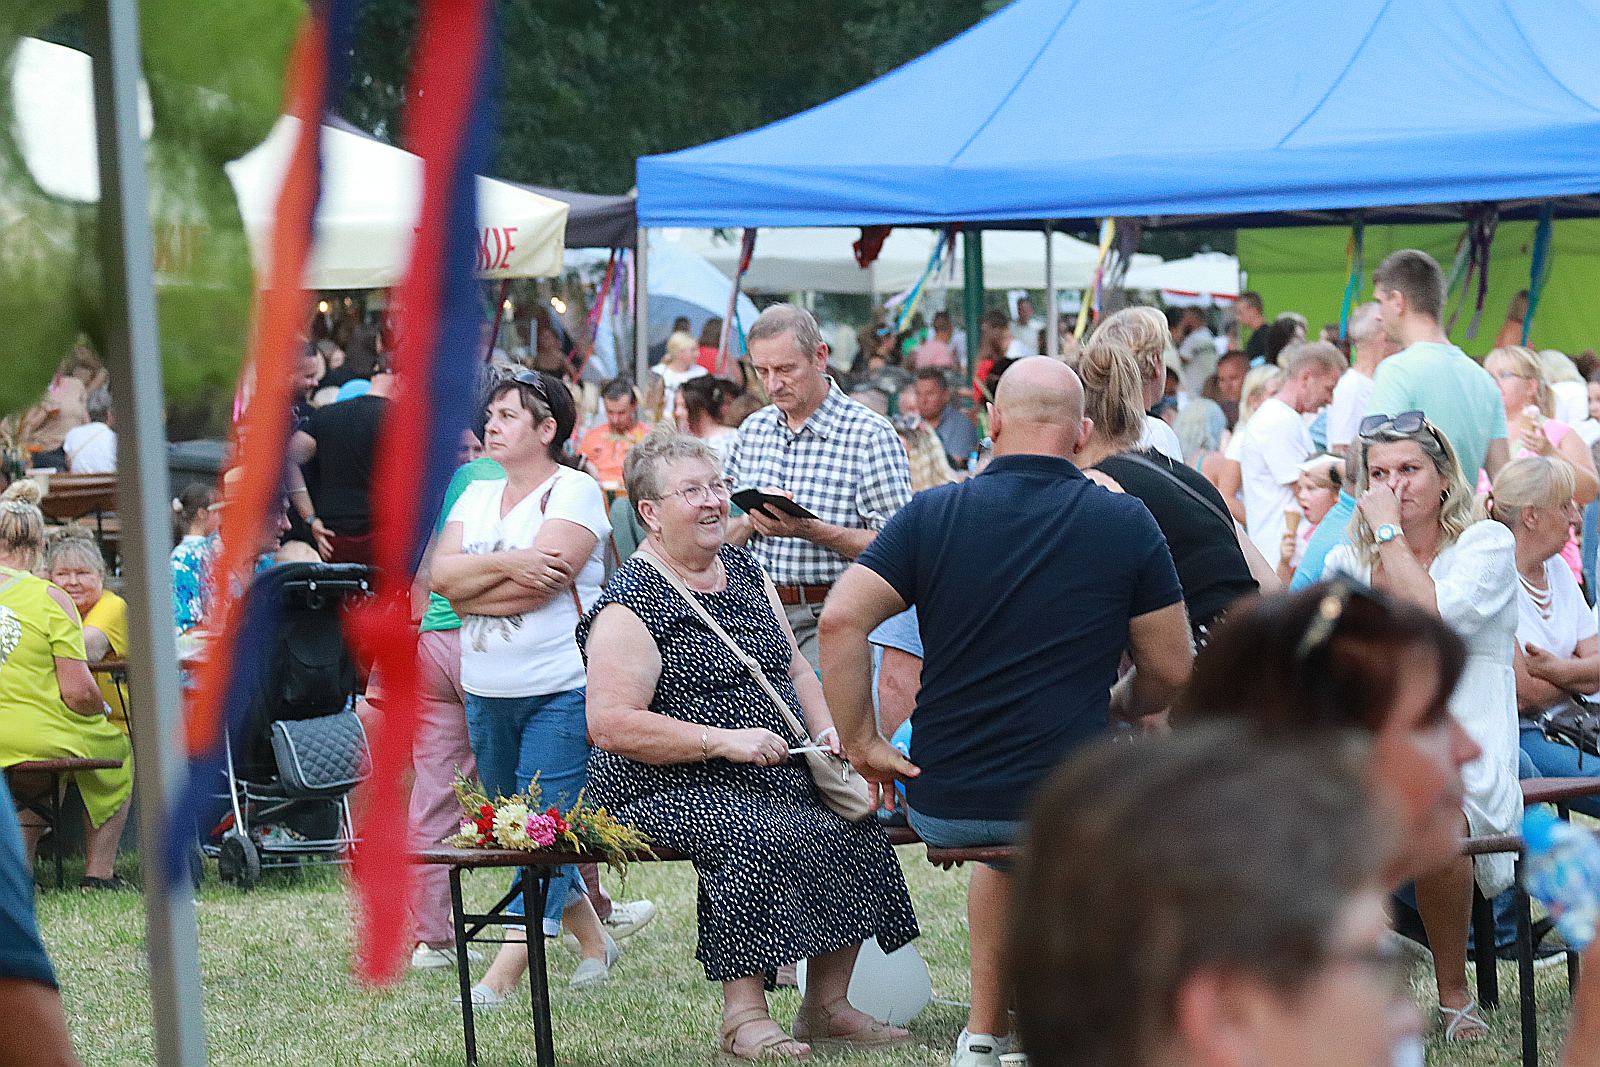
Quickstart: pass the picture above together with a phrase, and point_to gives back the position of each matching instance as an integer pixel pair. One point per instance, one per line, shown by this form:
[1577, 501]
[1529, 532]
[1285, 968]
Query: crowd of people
[1094, 607]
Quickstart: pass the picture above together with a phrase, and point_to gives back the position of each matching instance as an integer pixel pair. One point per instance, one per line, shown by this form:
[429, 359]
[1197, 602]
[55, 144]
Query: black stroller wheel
[239, 862]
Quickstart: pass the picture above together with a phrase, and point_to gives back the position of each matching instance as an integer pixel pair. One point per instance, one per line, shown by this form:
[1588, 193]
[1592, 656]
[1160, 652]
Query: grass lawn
[277, 984]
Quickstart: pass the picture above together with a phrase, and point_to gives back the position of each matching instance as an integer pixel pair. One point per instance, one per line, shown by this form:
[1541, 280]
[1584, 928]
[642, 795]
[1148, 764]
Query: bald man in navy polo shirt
[1030, 581]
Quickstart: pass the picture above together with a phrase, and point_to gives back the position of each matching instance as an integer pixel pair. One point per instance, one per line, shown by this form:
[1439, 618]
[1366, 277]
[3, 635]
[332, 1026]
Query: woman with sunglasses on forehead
[1419, 535]
[694, 751]
[519, 560]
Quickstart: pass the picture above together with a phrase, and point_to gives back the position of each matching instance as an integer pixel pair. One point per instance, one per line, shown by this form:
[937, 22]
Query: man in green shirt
[1430, 374]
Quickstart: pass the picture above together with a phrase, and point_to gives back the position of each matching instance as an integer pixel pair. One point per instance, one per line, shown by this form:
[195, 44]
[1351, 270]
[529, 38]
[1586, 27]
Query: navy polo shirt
[1024, 580]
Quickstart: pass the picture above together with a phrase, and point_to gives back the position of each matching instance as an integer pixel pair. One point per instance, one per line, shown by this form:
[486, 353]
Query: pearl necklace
[1543, 599]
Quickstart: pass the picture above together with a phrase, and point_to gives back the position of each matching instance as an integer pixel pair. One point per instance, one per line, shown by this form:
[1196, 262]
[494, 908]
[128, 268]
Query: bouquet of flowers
[520, 822]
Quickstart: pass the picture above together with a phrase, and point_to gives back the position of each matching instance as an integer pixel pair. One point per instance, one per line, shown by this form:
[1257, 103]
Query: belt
[803, 594]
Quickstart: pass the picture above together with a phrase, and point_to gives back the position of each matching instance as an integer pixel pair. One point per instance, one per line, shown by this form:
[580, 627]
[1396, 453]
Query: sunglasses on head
[533, 380]
[1407, 422]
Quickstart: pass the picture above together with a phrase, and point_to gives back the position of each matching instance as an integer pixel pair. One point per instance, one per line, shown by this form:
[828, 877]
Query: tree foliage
[588, 86]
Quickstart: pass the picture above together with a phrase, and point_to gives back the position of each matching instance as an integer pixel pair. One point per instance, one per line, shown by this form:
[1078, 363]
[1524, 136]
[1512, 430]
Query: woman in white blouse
[1418, 535]
[1557, 652]
[520, 560]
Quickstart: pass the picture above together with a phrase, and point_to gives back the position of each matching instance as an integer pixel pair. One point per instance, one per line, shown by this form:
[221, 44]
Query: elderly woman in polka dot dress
[692, 751]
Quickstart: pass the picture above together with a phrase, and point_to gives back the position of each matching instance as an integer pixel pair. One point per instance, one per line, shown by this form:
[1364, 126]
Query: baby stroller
[303, 748]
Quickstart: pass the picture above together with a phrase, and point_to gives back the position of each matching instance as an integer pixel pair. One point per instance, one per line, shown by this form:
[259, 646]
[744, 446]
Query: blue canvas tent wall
[1182, 114]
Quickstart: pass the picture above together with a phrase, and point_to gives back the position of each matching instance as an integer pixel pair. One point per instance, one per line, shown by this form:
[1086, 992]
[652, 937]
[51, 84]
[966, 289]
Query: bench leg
[1483, 941]
[1525, 996]
[55, 827]
[535, 887]
[463, 972]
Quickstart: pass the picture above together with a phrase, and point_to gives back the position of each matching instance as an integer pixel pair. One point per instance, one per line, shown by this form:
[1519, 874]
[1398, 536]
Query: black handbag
[1575, 723]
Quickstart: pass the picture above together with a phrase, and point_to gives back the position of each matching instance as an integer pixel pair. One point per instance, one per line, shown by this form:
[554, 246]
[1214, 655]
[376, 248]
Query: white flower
[468, 828]
[511, 826]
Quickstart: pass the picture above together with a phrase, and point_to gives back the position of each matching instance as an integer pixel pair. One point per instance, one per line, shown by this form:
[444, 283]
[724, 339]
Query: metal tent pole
[972, 291]
[1052, 314]
[641, 309]
[133, 356]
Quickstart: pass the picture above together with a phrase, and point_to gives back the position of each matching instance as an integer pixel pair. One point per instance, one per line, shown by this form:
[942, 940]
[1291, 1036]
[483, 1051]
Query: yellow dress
[110, 616]
[34, 722]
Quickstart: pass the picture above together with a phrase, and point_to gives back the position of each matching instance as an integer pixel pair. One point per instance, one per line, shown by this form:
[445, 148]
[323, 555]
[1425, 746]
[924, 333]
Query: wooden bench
[47, 803]
[534, 882]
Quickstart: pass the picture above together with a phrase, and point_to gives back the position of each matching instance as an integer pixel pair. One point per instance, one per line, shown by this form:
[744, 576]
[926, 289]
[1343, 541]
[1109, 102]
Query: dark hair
[1235, 354]
[1144, 865]
[1417, 276]
[1266, 664]
[618, 389]
[1174, 316]
[711, 332]
[548, 400]
[933, 374]
[937, 315]
[707, 397]
[995, 319]
[195, 498]
[1253, 298]
[1280, 335]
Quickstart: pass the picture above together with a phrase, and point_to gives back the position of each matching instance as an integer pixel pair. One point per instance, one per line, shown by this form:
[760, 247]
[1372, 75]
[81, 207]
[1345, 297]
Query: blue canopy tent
[1069, 111]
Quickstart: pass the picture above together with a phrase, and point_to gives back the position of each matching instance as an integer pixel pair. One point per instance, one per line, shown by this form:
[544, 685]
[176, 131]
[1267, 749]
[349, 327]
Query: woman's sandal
[814, 1030]
[1457, 1019]
[771, 1047]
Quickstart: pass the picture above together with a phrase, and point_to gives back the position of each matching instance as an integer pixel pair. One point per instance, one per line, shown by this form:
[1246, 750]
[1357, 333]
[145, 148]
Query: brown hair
[1112, 368]
[707, 397]
[1262, 667]
[1144, 865]
[1416, 276]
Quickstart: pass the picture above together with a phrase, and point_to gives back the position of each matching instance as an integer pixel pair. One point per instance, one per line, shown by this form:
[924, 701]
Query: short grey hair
[780, 319]
[645, 467]
[1364, 325]
[98, 405]
[72, 546]
[1297, 358]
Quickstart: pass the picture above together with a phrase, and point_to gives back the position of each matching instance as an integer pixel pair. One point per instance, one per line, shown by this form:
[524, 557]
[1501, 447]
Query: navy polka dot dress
[782, 878]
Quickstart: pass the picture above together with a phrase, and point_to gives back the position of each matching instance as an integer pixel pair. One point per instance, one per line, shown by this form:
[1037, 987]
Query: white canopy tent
[371, 196]
[371, 191]
[1203, 278]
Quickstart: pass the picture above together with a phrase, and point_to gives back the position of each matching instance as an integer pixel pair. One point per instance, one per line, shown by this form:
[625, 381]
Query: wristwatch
[1386, 533]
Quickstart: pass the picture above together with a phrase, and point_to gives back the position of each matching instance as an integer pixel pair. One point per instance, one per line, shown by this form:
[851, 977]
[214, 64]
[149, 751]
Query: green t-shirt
[1452, 389]
[440, 616]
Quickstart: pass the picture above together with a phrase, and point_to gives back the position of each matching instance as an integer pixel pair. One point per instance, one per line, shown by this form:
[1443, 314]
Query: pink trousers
[439, 753]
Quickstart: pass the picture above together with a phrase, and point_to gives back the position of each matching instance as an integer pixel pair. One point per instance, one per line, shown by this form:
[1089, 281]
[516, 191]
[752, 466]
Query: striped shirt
[846, 466]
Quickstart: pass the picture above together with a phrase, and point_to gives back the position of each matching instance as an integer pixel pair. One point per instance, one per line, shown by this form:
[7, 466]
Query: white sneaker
[627, 918]
[424, 958]
[594, 972]
[979, 1050]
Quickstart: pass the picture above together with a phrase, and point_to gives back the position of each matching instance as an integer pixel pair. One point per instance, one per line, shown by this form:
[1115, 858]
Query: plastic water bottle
[1562, 872]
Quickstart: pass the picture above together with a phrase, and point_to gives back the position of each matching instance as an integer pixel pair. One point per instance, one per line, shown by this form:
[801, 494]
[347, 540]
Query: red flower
[487, 811]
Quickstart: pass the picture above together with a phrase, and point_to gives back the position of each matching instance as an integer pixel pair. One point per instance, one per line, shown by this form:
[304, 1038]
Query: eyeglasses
[1327, 693]
[1407, 422]
[1386, 961]
[698, 496]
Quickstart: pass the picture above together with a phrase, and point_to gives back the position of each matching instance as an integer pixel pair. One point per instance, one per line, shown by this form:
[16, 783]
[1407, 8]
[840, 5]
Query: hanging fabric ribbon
[606, 283]
[1539, 268]
[1108, 231]
[1479, 238]
[497, 316]
[747, 249]
[449, 123]
[869, 245]
[232, 671]
[908, 306]
[1355, 255]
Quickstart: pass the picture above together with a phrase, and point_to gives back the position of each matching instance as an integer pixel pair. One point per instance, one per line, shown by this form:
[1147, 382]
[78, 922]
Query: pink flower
[542, 830]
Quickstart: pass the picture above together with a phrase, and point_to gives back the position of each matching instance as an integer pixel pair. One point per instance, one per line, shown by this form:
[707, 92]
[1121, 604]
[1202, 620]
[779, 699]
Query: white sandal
[1455, 1019]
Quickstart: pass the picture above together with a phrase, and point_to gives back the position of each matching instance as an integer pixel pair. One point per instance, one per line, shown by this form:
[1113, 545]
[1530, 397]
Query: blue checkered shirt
[846, 466]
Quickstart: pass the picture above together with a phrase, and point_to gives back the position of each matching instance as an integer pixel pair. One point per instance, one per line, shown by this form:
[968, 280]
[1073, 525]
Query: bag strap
[745, 658]
[544, 502]
[1145, 461]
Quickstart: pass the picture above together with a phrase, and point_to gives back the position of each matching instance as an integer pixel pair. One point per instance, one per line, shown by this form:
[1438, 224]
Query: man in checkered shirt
[833, 456]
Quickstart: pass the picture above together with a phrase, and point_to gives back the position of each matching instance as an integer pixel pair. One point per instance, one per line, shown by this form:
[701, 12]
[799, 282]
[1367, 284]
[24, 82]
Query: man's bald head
[1041, 390]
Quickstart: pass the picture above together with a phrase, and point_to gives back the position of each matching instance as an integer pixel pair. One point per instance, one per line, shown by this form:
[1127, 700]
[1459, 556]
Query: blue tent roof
[1176, 110]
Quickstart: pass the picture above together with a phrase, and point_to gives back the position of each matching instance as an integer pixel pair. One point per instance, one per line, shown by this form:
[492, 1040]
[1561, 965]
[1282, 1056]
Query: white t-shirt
[1351, 398]
[1275, 442]
[1161, 437]
[670, 381]
[535, 653]
[91, 449]
[1570, 619]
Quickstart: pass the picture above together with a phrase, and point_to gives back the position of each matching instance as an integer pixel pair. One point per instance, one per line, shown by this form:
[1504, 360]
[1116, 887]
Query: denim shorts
[964, 833]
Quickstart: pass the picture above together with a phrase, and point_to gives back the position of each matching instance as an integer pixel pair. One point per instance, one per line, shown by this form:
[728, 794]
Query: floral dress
[191, 578]
[782, 878]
